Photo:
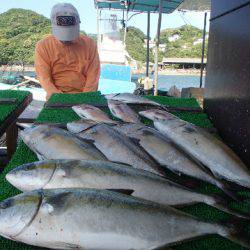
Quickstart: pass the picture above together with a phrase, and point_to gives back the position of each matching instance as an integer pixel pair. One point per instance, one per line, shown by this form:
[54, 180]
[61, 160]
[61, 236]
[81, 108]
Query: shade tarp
[196, 5]
[139, 5]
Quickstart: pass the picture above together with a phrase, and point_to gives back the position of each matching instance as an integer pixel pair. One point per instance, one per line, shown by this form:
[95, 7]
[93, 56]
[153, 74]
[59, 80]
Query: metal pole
[148, 39]
[125, 31]
[98, 29]
[157, 49]
[203, 49]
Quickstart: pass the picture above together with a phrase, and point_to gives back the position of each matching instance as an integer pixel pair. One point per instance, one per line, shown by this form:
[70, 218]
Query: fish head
[82, 107]
[17, 212]
[110, 96]
[33, 175]
[79, 126]
[34, 133]
[156, 115]
[115, 102]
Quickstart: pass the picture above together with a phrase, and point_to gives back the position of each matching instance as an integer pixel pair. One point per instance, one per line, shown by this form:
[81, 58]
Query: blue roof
[139, 5]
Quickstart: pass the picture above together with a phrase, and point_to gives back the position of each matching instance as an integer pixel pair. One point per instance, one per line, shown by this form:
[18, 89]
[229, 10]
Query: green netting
[139, 5]
[7, 109]
[25, 155]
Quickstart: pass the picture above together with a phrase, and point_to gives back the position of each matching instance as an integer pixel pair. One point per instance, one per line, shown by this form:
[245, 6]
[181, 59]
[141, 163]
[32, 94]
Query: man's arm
[93, 72]
[43, 71]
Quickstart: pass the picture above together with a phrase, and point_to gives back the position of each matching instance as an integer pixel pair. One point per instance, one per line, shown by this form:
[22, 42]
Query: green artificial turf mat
[203, 211]
[91, 97]
[7, 109]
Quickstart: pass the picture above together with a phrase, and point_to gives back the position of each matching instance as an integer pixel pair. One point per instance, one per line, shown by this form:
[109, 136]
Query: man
[67, 62]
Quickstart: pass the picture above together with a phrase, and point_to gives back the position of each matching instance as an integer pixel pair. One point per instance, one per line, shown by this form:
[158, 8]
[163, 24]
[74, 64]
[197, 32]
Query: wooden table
[8, 126]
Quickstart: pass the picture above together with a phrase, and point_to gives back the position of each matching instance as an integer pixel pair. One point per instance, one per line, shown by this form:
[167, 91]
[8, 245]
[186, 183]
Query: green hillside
[19, 31]
[187, 44]
[135, 44]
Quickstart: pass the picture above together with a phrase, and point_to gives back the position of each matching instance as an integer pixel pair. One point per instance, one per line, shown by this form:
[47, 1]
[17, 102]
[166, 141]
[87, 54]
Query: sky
[88, 15]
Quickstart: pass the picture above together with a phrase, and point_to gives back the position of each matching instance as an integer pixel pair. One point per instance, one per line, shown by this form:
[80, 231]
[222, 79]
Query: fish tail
[222, 204]
[236, 232]
[227, 191]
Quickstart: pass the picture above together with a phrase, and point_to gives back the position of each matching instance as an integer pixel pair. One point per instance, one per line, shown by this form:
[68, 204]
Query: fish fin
[65, 245]
[122, 163]
[236, 231]
[122, 191]
[224, 187]
[85, 139]
[40, 156]
[135, 140]
[221, 203]
[220, 183]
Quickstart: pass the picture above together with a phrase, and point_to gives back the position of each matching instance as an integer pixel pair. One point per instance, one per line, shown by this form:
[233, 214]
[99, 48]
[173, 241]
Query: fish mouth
[32, 176]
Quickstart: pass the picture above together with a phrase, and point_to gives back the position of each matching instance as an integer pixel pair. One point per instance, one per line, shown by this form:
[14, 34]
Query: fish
[50, 142]
[101, 219]
[203, 146]
[52, 174]
[164, 151]
[91, 112]
[80, 125]
[123, 111]
[131, 98]
[117, 147]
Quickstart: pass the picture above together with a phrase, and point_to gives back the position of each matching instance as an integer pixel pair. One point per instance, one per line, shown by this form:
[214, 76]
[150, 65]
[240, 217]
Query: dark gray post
[203, 49]
[148, 39]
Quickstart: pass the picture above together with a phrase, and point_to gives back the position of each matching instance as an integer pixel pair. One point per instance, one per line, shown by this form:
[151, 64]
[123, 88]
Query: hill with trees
[20, 30]
[185, 41]
[135, 44]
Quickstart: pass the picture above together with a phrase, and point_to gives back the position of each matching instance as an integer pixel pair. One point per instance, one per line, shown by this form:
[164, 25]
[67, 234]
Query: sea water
[180, 81]
[165, 81]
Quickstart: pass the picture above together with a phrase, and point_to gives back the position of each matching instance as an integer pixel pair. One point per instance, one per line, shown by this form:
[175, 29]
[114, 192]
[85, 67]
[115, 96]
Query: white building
[174, 38]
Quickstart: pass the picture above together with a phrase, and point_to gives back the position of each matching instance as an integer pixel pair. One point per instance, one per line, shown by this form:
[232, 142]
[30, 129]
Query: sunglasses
[66, 20]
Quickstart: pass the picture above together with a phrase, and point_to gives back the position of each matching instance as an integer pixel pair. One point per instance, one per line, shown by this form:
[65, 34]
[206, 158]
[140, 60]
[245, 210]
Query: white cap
[65, 33]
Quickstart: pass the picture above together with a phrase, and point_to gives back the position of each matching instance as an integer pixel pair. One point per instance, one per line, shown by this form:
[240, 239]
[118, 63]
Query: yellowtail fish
[201, 145]
[118, 147]
[101, 219]
[54, 143]
[91, 112]
[123, 111]
[51, 174]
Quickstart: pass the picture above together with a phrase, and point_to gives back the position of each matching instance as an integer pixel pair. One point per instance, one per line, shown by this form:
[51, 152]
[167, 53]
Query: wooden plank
[26, 120]
[11, 139]
[12, 117]
[8, 100]
[167, 108]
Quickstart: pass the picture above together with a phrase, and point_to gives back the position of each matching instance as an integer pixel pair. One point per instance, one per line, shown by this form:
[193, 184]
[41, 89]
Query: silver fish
[119, 148]
[54, 143]
[92, 113]
[100, 219]
[166, 153]
[123, 111]
[80, 125]
[51, 174]
[131, 98]
[203, 146]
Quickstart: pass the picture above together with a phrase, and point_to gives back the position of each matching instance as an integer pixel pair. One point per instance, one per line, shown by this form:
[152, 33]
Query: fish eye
[6, 204]
[30, 167]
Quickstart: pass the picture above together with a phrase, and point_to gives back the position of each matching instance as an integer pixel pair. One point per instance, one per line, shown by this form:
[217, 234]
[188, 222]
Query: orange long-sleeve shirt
[70, 68]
